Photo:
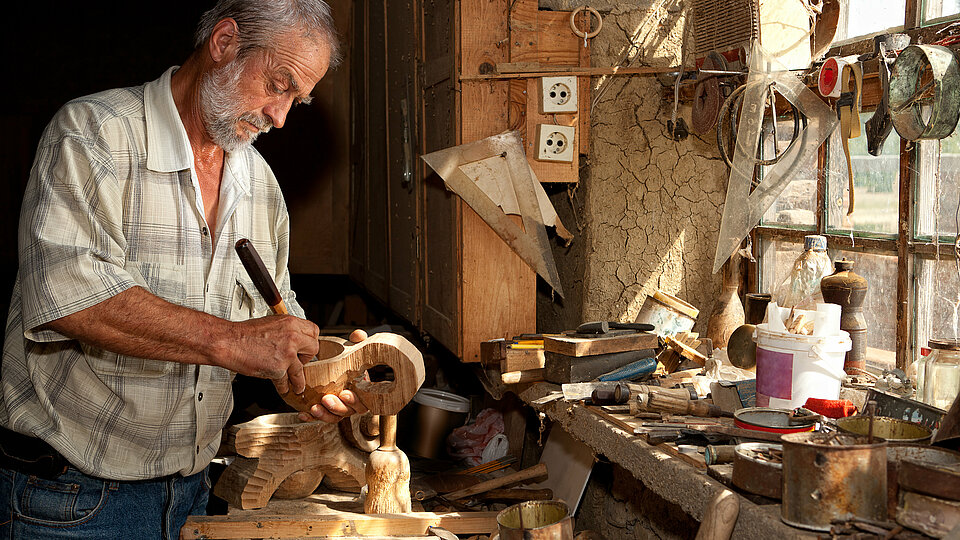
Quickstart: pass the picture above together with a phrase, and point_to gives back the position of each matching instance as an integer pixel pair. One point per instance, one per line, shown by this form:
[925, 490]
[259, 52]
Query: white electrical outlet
[558, 95]
[556, 143]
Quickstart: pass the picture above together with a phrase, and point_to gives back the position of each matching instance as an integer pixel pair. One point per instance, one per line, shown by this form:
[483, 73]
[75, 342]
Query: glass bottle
[801, 288]
[941, 378]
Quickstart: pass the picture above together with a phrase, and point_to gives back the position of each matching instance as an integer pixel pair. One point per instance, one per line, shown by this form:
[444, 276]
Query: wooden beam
[337, 525]
[571, 71]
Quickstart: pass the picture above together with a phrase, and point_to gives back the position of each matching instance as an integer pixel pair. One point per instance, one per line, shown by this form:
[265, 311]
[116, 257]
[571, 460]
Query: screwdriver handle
[261, 278]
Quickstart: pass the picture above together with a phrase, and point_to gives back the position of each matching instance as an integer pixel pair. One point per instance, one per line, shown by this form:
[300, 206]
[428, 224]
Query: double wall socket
[556, 143]
[558, 95]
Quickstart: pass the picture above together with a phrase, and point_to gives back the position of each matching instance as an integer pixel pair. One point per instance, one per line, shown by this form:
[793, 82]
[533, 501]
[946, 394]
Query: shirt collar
[168, 148]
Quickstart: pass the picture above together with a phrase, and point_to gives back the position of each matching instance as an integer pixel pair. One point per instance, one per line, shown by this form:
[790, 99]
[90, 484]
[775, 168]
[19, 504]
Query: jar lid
[944, 344]
[815, 242]
[843, 265]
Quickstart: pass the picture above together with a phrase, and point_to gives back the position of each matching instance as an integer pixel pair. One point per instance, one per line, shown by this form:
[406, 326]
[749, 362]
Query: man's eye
[276, 89]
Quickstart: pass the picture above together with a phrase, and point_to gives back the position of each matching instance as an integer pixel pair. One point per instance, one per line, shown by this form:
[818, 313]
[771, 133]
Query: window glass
[776, 261]
[875, 178]
[938, 188]
[796, 206]
[936, 288]
[864, 17]
[939, 9]
[880, 306]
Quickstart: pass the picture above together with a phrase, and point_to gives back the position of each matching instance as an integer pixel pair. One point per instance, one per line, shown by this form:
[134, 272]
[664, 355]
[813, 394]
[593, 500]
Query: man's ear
[222, 45]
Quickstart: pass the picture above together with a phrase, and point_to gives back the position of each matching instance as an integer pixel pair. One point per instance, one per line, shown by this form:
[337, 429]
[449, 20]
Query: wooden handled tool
[261, 278]
[720, 516]
[526, 475]
[663, 402]
[388, 474]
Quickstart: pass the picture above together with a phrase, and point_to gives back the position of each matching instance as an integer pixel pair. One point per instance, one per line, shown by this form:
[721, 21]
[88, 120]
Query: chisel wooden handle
[526, 475]
[261, 278]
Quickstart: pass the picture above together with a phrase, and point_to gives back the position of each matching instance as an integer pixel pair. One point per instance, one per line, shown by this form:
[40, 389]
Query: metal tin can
[832, 476]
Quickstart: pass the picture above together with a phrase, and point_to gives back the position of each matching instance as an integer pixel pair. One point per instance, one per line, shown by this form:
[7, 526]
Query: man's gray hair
[262, 22]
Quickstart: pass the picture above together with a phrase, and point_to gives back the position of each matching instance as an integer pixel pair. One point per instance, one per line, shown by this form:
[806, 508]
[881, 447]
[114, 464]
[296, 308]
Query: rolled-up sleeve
[71, 234]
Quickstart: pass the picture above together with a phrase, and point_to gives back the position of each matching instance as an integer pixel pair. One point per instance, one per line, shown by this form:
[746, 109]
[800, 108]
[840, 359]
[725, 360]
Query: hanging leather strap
[848, 109]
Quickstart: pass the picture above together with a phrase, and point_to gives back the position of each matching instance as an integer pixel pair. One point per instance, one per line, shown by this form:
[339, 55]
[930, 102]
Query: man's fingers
[281, 385]
[297, 380]
[357, 336]
[351, 400]
[321, 413]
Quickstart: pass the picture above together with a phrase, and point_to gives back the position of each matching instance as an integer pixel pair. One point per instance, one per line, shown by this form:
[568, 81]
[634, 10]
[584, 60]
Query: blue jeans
[79, 506]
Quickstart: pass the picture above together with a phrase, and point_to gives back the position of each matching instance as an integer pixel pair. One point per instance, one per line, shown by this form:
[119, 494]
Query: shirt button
[204, 231]
[200, 396]
[206, 288]
[198, 449]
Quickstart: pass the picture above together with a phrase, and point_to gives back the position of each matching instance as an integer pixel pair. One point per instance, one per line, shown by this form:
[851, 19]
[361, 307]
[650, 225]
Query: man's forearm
[138, 323]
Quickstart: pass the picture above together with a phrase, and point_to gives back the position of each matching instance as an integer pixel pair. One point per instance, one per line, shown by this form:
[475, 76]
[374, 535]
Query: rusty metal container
[886, 428]
[898, 453]
[755, 472]
[536, 520]
[830, 476]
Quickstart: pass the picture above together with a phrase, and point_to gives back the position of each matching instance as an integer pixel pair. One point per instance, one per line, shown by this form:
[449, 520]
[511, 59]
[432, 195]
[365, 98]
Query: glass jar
[941, 377]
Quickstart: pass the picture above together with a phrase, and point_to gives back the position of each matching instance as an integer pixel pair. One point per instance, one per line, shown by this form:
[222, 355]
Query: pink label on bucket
[774, 374]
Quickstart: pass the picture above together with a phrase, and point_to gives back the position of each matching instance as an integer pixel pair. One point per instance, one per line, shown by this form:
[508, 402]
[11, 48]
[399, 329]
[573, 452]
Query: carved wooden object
[342, 365]
[388, 474]
[279, 454]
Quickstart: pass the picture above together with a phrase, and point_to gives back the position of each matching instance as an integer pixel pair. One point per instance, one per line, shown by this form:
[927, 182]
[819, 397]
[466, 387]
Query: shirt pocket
[247, 301]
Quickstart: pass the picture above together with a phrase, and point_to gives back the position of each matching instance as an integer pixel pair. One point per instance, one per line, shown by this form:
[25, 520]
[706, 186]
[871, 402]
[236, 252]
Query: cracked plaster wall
[649, 208]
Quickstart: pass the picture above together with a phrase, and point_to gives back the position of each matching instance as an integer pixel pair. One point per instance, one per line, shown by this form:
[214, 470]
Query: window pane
[937, 9]
[943, 200]
[880, 306]
[936, 287]
[876, 179]
[794, 207]
[862, 17]
[776, 261]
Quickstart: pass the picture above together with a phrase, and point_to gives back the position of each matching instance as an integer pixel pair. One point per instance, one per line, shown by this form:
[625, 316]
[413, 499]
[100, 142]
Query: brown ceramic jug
[849, 290]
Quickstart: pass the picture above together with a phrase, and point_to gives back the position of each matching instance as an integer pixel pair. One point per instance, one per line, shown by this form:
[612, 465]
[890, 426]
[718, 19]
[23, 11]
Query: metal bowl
[886, 428]
[772, 420]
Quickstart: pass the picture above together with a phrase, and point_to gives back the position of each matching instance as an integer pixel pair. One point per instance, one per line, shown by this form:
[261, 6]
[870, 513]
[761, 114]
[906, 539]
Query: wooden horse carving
[280, 455]
[341, 365]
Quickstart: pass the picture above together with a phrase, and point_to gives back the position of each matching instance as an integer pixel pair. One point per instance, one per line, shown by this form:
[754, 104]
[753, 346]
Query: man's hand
[333, 408]
[276, 347]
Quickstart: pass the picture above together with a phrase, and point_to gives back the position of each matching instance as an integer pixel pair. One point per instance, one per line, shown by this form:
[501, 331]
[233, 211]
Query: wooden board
[574, 461]
[573, 346]
[522, 359]
[499, 289]
[336, 525]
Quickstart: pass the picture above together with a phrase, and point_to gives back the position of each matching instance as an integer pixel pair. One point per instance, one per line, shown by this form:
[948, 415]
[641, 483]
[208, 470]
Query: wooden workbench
[672, 478]
[331, 515]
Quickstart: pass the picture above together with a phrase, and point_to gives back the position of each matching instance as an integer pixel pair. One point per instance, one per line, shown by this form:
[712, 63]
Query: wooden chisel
[261, 278]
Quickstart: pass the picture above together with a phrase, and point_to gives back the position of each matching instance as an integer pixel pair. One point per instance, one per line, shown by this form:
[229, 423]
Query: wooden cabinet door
[402, 77]
[441, 240]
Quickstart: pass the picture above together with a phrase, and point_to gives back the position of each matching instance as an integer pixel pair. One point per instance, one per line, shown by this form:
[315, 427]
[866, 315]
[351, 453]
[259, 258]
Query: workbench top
[672, 478]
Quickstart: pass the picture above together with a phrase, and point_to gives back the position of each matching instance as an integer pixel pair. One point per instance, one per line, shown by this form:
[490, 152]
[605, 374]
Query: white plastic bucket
[794, 367]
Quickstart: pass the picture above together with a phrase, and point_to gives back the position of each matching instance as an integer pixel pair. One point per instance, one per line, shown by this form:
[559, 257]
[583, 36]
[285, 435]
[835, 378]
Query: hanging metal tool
[880, 124]
[906, 92]
[729, 112]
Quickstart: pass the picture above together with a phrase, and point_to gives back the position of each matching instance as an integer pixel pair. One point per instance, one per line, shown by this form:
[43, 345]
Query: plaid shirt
[112, 203]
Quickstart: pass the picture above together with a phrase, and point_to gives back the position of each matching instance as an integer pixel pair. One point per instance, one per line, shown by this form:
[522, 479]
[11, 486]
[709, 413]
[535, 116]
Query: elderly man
[132, 313]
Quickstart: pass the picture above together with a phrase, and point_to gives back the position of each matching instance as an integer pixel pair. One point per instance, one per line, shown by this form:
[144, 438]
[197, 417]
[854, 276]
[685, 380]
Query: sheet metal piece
[743, 208]
[529, 242]
[905, 92]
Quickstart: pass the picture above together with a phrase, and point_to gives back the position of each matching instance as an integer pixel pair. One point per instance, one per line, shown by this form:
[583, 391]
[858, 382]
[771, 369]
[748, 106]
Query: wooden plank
[575, 346]
[336, 525]
[522, 359]
[583, 93]
[904, 260]
[577, 71]
[499, 289]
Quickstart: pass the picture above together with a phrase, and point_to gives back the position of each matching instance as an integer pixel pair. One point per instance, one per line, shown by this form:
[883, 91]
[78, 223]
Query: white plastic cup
[827, 320]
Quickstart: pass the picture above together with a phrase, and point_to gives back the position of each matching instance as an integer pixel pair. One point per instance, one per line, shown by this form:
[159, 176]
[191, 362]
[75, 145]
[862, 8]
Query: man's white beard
[219, 102]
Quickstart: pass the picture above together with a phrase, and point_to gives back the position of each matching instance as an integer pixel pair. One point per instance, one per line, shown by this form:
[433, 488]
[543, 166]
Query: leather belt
[848, 109]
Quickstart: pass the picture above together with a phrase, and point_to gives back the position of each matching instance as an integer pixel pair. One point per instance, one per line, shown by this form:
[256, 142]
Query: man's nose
[277, 112]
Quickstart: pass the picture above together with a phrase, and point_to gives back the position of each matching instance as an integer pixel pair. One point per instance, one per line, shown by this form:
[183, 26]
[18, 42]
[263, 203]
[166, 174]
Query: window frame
[904, 245]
